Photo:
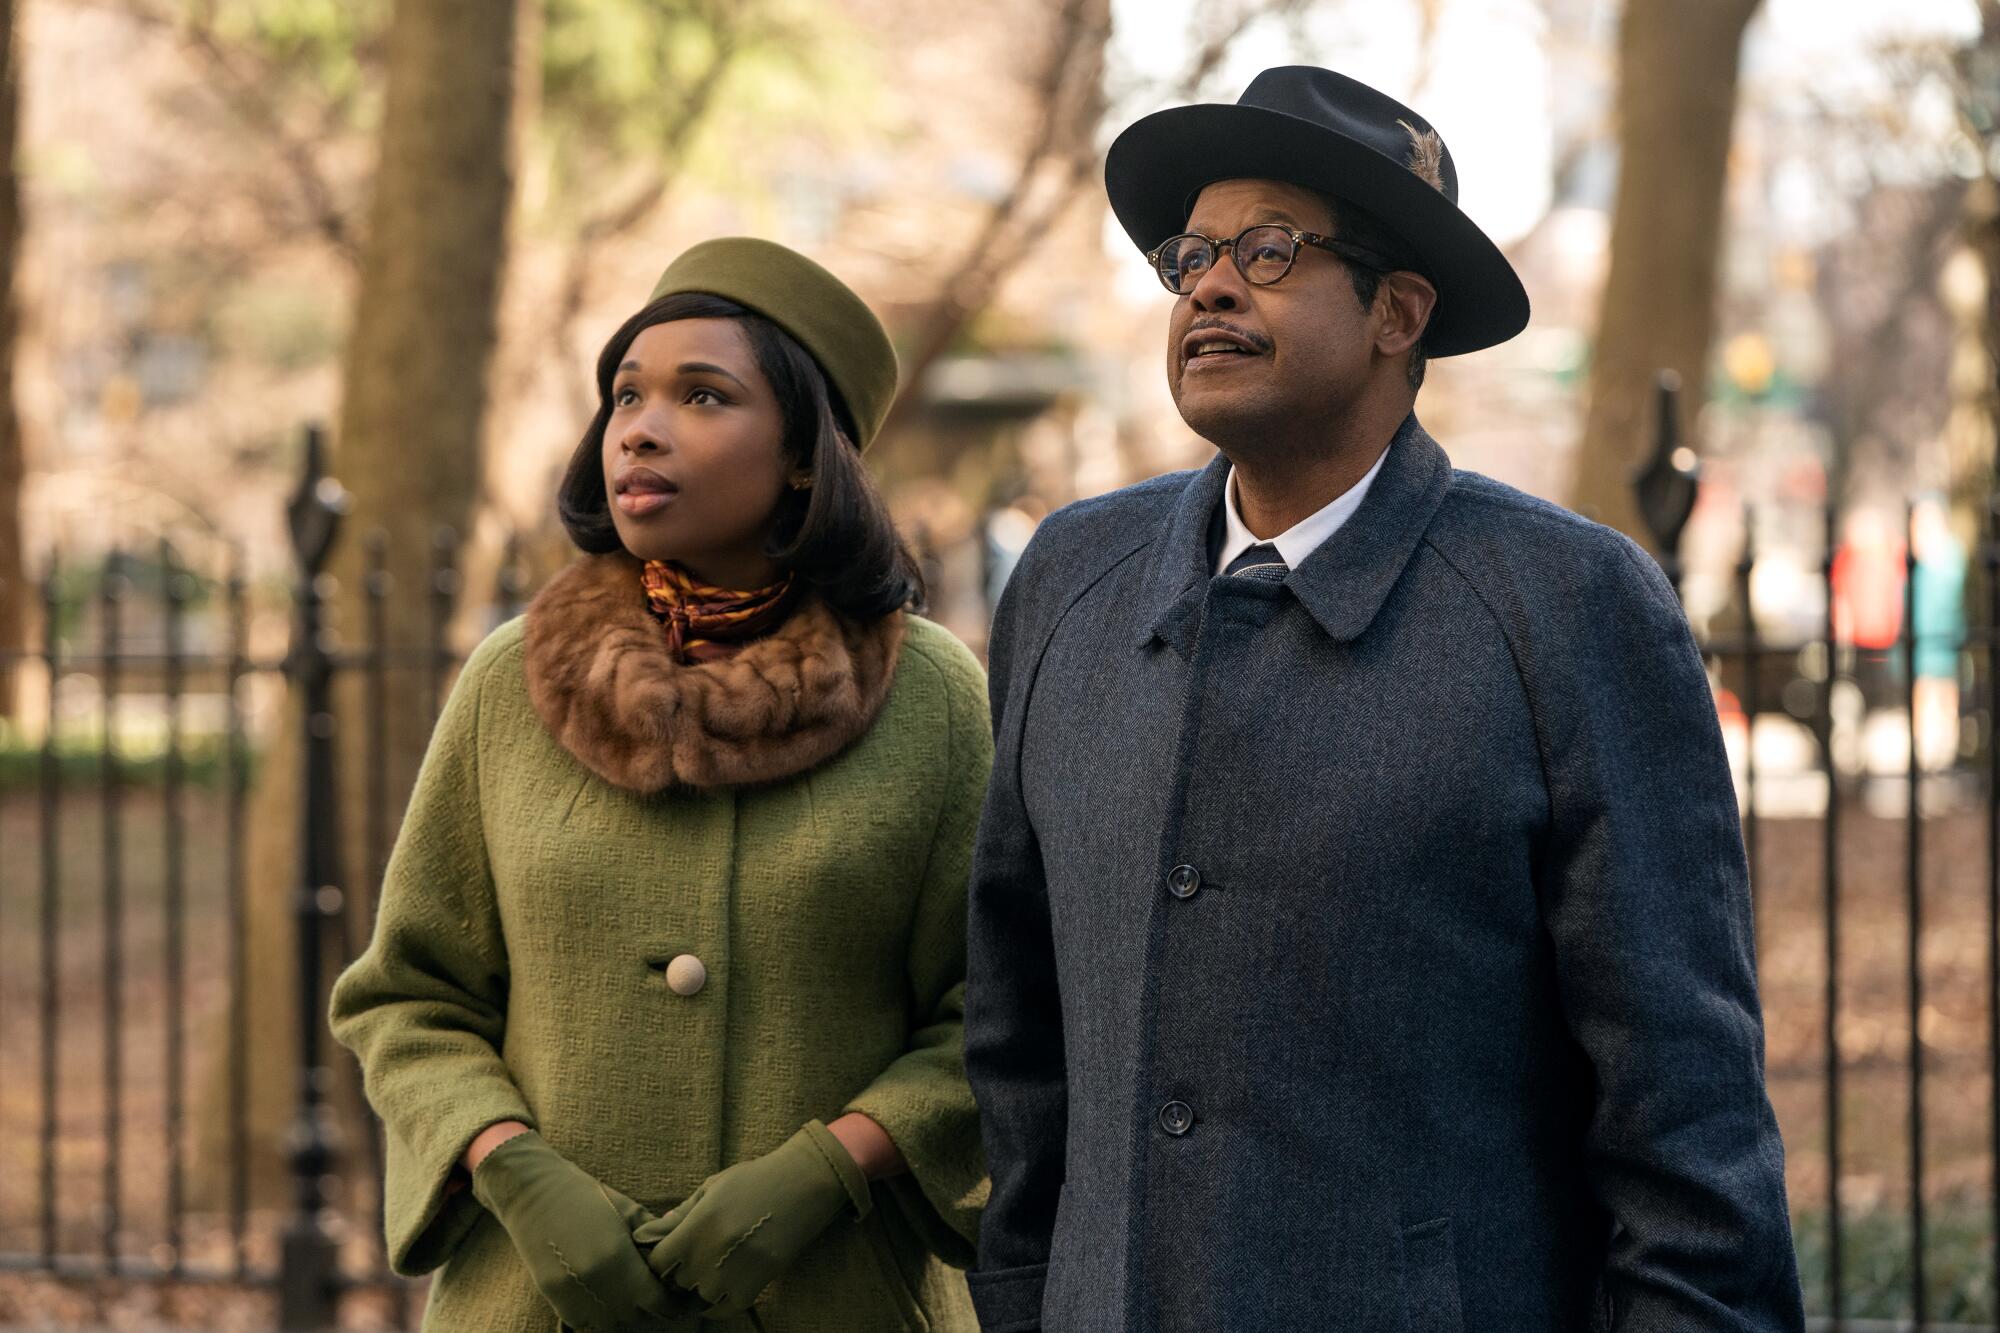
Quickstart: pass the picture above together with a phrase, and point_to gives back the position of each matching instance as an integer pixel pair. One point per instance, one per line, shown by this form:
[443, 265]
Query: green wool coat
[517, 971]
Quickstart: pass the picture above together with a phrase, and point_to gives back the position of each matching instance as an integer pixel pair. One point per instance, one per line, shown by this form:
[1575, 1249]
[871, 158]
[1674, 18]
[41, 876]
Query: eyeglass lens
[1262, 254]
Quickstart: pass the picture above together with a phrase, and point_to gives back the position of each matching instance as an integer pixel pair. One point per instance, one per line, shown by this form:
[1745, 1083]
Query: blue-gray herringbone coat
[1369, 951]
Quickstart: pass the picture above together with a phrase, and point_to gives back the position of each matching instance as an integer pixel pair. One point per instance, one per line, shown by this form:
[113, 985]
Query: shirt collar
[1303, 537]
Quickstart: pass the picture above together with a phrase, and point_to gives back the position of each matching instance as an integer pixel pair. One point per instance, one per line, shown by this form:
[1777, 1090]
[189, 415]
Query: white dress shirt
[1303, 537]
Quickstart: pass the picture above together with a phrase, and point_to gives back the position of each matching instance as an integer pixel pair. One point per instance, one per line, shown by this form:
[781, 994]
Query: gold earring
[801, 483]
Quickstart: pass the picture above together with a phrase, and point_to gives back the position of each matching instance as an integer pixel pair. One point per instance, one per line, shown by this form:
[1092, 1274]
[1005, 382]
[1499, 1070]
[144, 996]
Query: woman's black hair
[836, 537]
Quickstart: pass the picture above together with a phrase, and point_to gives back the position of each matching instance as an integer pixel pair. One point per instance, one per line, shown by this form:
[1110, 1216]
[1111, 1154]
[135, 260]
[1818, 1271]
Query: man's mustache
[1256, 340]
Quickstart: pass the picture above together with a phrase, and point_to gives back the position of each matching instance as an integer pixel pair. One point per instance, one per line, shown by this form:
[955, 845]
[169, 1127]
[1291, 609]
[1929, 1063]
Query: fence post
[307, 1272]
[1667, 483]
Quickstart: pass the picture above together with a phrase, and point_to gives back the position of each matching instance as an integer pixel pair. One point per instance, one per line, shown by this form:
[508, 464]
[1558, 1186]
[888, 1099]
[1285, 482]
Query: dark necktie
[1261, 561]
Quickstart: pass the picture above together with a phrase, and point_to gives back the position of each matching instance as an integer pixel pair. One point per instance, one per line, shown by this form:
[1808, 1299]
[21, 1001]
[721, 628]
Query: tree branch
[621, 218]
[1209, 55]
[1010, 232]
[242, 92]
[1430, 18]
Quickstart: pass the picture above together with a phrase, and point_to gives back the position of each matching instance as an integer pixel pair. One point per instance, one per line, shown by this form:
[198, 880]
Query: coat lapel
[1342, 584]
[1178, 579]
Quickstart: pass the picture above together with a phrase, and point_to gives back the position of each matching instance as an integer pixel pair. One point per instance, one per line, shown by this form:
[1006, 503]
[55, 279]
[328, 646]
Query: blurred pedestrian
[1938, 610]
[1868, 574]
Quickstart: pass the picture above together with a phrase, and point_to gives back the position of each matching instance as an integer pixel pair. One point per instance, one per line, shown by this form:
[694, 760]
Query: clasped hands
[605, 1263]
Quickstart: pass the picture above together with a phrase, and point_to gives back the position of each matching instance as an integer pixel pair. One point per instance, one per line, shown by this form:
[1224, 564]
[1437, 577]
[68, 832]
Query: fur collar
[600, 678]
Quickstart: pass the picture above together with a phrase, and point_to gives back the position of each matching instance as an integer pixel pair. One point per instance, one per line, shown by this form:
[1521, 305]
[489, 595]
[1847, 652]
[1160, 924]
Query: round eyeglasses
[1262, 254]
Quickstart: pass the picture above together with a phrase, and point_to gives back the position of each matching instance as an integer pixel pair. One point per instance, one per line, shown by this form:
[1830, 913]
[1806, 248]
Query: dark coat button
[1183, 881]
[1177, 1118]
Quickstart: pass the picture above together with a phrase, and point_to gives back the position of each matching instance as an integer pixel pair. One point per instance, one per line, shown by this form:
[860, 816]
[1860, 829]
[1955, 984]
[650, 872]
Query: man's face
[1300, 349]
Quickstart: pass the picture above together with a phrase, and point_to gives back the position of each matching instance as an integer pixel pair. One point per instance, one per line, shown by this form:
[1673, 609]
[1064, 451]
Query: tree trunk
[16, 595]
[1975, 473]
[414, 395]
[1676, 101]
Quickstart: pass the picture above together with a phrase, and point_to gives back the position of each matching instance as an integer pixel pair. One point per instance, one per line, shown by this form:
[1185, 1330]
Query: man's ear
[1403, 306]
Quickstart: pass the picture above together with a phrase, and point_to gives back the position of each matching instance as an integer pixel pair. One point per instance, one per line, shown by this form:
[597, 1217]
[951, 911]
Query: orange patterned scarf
[705, 623]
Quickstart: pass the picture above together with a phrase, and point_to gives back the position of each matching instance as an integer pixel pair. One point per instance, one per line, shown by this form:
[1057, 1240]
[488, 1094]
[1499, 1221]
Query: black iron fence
[1871, 799]
[125, 942]
[1921, 1247]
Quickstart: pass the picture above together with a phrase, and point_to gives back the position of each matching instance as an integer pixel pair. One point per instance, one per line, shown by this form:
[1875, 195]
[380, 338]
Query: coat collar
[601, 679]
[1344, 582]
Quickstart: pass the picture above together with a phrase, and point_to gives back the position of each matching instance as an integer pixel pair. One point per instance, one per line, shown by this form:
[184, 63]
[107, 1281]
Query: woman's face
[694, 460]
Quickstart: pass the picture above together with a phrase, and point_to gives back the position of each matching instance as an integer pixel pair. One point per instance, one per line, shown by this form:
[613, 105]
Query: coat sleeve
[1646, 894]
[425, 1007]
[922, 1099]
[1013, 1041]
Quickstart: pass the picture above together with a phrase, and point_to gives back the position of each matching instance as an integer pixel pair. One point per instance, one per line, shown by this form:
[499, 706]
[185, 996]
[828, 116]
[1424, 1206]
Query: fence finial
[316, 507]
[1667, 484]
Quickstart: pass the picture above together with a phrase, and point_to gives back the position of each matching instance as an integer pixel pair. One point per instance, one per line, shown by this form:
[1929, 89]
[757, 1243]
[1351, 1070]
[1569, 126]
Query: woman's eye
[704, 397]
[625, 397]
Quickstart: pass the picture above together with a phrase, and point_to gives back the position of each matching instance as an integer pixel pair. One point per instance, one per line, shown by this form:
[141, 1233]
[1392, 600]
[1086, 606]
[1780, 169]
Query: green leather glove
[746, 1225]
[575, 1236]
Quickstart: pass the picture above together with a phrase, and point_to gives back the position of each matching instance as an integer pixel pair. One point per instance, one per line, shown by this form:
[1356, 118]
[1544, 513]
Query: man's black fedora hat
[1323, 130]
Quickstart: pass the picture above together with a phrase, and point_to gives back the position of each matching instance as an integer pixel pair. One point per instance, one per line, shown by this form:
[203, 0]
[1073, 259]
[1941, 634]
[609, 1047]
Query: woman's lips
[641, 491]
[638, 504]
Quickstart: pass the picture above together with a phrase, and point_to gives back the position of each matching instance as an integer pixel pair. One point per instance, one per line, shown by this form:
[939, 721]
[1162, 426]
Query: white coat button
[686, 975]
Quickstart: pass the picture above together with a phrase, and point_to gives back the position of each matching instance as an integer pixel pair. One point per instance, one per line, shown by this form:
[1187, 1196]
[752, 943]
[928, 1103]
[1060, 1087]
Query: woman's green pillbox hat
[806, 301]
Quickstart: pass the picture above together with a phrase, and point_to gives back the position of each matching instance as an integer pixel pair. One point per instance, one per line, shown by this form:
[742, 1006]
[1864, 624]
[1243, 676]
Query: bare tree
[733, 26]
[1677, 76]
[1979, 101]
[408, 448]
[1057, 160]
[1887, 328]
[416, 372]
[14, 596]
[1069, 89]
[289, 115]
